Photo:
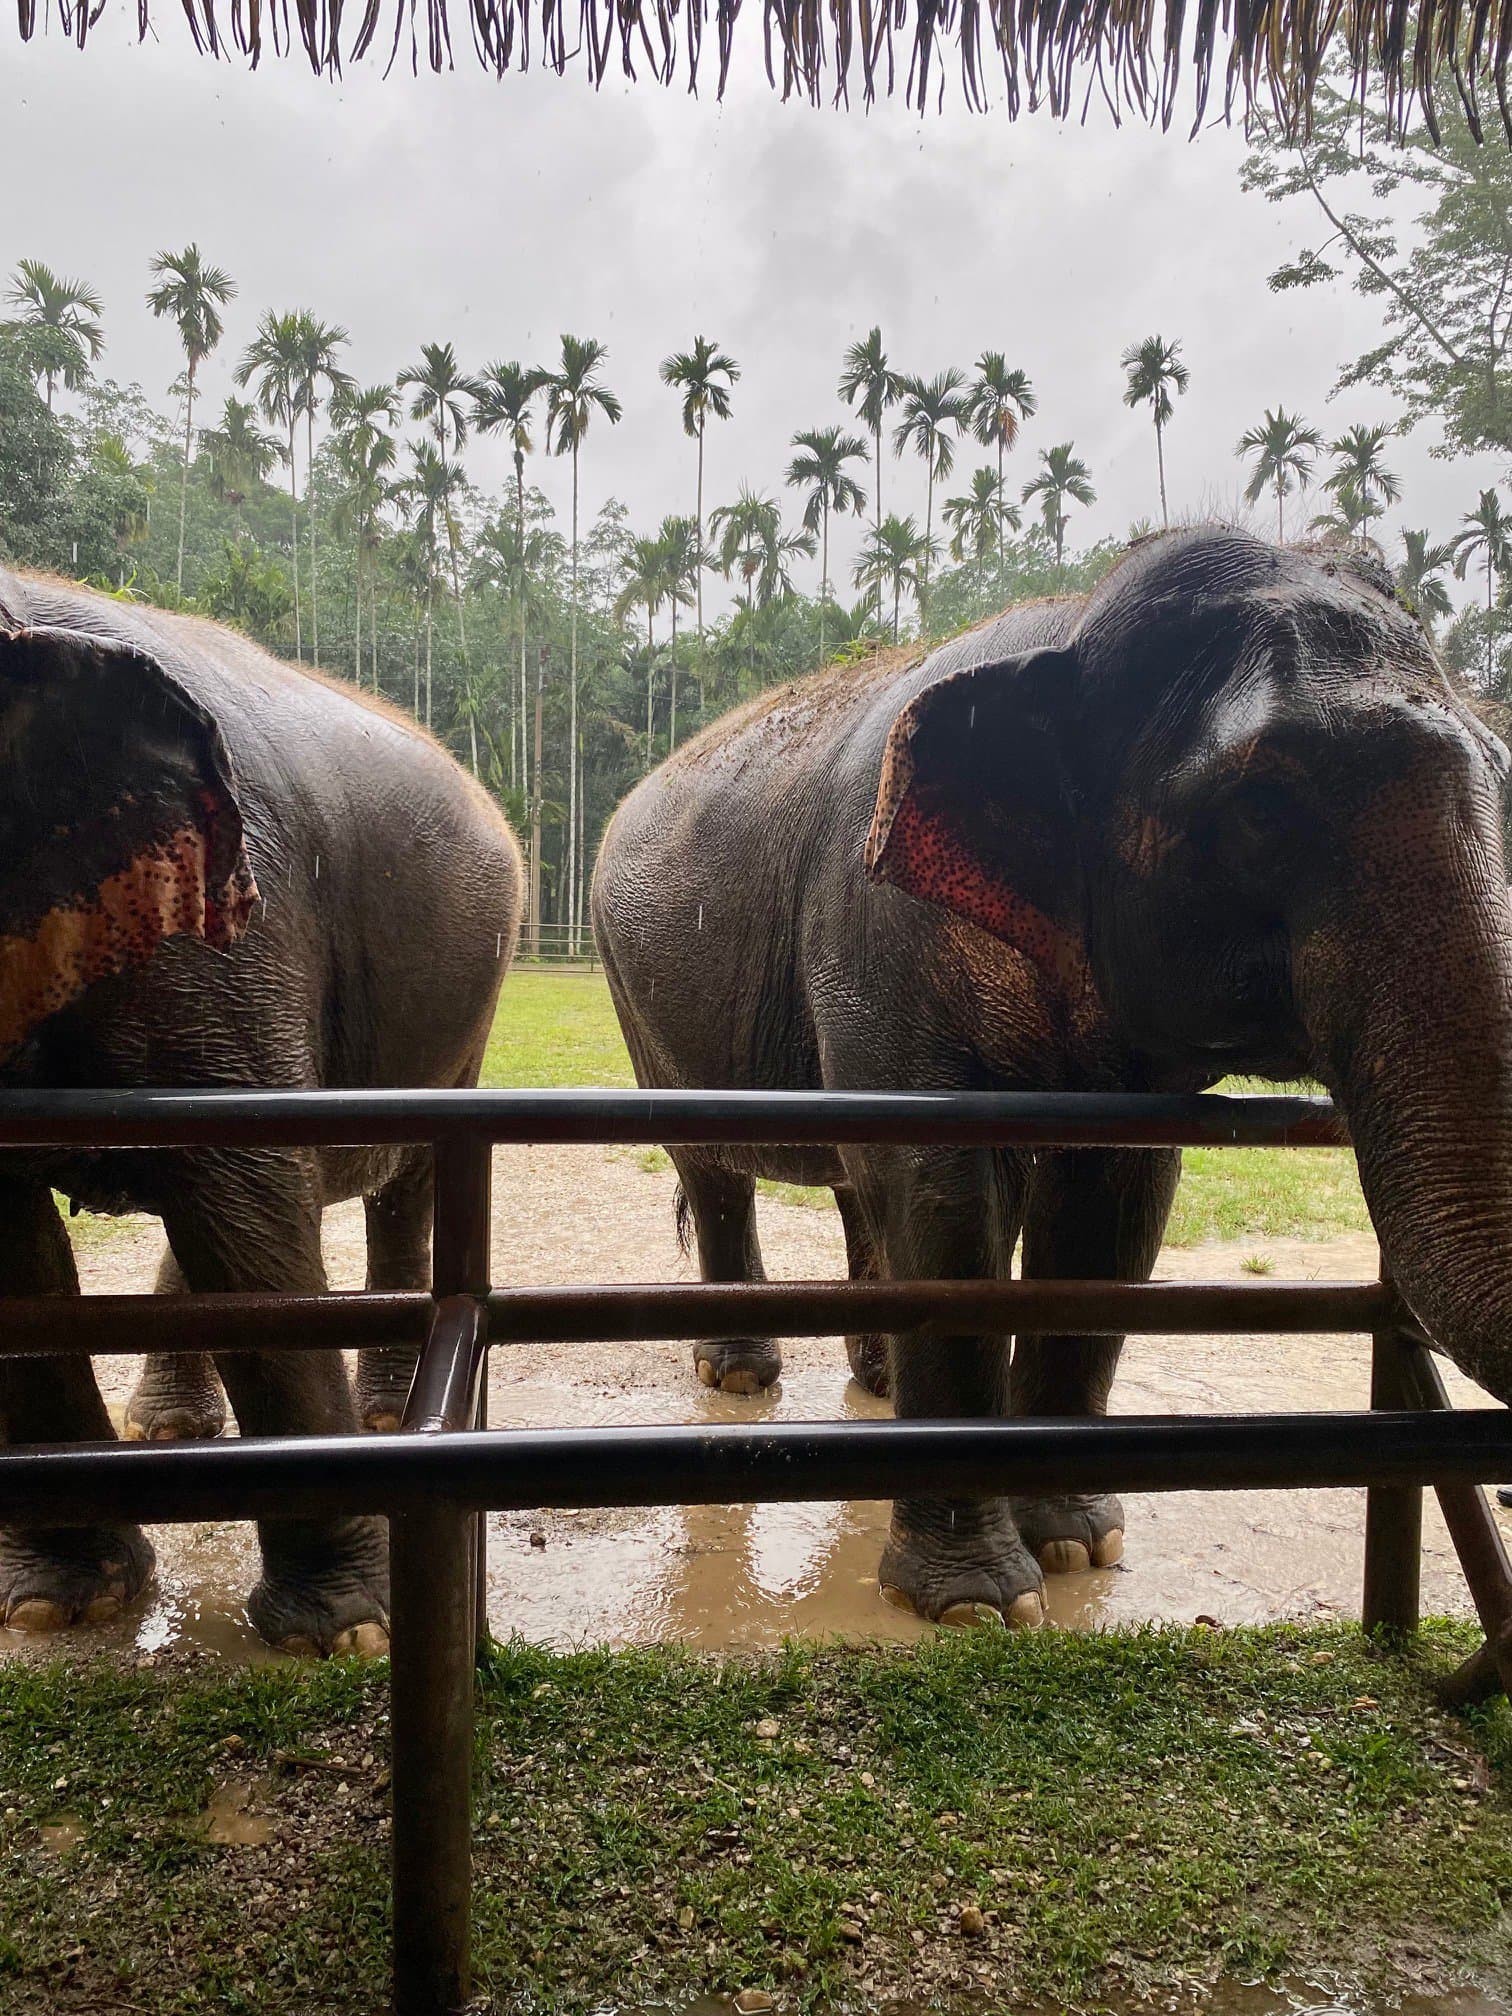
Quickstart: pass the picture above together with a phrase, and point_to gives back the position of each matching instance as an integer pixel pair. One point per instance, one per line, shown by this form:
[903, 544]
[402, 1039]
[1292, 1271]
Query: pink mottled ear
[973, 807]
[127, 832]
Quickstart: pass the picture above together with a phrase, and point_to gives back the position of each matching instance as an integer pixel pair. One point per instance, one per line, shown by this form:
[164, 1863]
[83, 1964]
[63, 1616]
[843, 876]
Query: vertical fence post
[1393, 1512]
[434, 1573]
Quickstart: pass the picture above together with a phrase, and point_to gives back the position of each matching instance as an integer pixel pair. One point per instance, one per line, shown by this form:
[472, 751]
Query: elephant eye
[1260, 809]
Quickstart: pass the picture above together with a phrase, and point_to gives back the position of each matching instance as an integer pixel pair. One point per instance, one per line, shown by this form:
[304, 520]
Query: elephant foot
[738, 1364]
[868, 1363]
[327, 1594]
[177, 1399]
[1068, 1535]
[76, 1575]
[384, 1377]
[961, 1563]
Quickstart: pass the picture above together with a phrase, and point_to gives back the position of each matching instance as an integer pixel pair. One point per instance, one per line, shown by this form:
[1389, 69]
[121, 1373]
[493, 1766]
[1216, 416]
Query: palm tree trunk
[310, 514]
[877, 451]
[184, 473]
[1001, 555]
[1280, 513]
[698, 524]
[897, 597]
[294, 521]
[650, 674]
[373, 619]
[572, 728]
[928, 533]
[672, 683]
[357, 618]
[520, 561]
[1490, 577]
[1160, 459]
[430, 600]
[824, 581]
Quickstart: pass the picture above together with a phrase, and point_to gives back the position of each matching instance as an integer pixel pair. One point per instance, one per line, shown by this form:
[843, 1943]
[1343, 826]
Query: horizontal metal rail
[628, 1313]
[174, 1119]
[516, 1469]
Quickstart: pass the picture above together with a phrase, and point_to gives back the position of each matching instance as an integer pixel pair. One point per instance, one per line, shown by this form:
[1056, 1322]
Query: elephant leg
[723, 1205]
[950, 1215]
[51, 1577]
[399, 1256]
[867, 1354]
[177, 1397]
[1093, 1215]
[250, 1222]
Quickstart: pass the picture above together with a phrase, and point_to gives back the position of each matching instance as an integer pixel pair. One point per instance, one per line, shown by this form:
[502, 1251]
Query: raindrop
[700, 916]
[317, 867]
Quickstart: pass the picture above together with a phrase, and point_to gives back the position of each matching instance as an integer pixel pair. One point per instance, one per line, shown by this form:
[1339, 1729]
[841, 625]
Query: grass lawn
[980, 1822]
[560, 1029]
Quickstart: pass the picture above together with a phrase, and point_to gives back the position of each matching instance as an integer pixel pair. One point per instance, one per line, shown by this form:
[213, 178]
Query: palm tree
[978, 519]
[238, 454]
[431, 489]
[502, 404]
[1352, 512]
[753, 545]
[574, 394]
[997, 403]
[66, 312]
[679, 542]
[318, 345]
[704, 376]
[365, 454]
[193, 294]
[930, 406]
[1283, 446]
[521, 562]
[1358, 467]
[645, 587]
[869, 385]
[819, 467]
[1063, 479]
[275, 359]
[1488, 531]
[1154, 370]
[895, 554]
[441, 387]
[1418, 579]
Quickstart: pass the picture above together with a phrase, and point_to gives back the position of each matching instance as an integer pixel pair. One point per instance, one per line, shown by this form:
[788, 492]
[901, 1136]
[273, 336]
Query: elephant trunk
[1408, 1002]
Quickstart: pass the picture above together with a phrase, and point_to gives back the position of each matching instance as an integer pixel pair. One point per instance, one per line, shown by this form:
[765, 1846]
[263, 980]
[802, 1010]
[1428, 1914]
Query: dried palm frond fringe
[1058, 53]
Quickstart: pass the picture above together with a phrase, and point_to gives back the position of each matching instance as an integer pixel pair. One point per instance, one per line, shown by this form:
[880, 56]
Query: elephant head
[119, 822]
[1242, 807]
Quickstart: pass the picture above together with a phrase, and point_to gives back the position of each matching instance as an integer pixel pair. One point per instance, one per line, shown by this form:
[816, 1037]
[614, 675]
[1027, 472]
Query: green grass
[556, 1029]
[1126, 1811]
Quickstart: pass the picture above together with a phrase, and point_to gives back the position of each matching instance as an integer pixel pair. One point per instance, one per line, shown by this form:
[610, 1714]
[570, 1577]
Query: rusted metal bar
[515, 1469]
[1393, 1512]
[444, 1393]
[189, 1119]
[434, 1556]
[1472, 1524]
[124, 1324]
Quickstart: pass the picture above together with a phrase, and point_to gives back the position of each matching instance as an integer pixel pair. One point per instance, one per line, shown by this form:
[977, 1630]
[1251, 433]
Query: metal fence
[437, 1477]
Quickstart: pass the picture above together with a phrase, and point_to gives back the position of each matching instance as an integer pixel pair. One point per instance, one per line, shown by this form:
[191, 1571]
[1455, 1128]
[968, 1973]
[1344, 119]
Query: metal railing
[437, 1477]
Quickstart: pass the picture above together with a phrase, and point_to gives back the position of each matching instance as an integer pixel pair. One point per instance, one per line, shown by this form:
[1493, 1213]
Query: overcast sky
[498, 214]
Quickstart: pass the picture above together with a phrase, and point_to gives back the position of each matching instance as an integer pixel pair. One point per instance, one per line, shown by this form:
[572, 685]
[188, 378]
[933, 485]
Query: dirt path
[749, 1575]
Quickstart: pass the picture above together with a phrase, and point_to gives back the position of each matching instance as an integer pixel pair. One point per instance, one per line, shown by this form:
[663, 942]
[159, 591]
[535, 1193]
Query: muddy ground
[717, 1577]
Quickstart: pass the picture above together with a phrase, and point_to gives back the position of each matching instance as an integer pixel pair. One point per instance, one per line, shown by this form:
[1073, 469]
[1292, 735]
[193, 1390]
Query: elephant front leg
[52, 1577]
[1093, 1214]
[398, 1250]
[722, 1203]
[177, 1398]
[951, 1216]
[866, 1352]
[251, 1223]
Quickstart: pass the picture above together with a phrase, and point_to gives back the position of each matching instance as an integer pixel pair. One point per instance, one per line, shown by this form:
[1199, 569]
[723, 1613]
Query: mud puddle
[726, 1577]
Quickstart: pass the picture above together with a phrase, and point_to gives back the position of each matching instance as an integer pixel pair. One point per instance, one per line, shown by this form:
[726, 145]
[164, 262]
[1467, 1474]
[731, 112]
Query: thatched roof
[1151, 59]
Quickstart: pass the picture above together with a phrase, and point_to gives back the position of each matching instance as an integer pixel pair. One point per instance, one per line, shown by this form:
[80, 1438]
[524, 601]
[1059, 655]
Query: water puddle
[231, 1820]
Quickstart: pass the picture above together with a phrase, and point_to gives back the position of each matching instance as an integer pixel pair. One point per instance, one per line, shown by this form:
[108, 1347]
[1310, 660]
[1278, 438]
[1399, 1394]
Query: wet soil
[721, 1577]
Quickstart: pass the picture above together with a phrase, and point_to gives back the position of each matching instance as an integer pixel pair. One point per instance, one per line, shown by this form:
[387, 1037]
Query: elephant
[1223, 814]
[220, 870]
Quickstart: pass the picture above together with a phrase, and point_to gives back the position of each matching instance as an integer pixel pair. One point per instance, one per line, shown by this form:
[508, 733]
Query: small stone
[685, 1918]
[973, 1924]
[538, 1539]
[753, 2002]
[867, 1780]
[767, 1730]
[1365, 1702]
[233, 1744]
[1322, 1658]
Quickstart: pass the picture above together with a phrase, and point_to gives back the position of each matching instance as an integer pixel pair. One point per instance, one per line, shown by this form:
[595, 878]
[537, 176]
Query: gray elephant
[217, 870]
[1222, 815]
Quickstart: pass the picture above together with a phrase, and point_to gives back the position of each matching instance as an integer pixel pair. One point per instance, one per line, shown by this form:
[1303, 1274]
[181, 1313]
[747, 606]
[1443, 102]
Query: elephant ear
[974, 808]
[119, 821]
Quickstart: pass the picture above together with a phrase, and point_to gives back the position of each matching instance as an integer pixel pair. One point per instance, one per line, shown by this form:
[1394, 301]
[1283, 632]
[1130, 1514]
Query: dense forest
[336, 522]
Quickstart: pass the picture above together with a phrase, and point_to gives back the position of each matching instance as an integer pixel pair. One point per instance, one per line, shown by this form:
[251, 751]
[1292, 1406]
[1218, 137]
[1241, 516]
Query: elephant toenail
[898, 1599]
[166, 1433]
[299, 1646]
[1064, 1557]
[362, 1641]
[133, 1431]
[1026, 1612]
[37, 1613]
[740, 1382]
[706, 1373]
[381, 1424]
[964, 1616]
[1108, 1552]
[103, 1610]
